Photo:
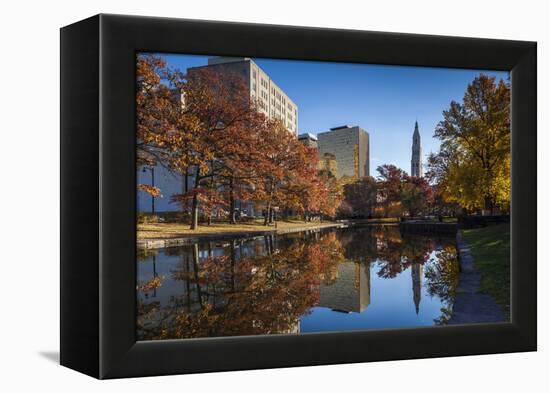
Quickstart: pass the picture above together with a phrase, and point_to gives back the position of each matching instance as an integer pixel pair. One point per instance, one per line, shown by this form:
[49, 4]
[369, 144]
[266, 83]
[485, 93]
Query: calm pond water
[332, 280]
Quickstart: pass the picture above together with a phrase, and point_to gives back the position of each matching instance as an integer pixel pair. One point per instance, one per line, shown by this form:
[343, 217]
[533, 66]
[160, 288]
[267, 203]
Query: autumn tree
[416, 195]
[332, 195]
[154, 113]
[473, 165]
[154, 106]
[307, 190]
[218, 113]
[390, 184]
[283, 156]
[204, 127]
[360, 197]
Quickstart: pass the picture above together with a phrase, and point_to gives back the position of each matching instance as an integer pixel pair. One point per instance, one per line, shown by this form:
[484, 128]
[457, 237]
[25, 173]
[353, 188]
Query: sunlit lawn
[490, 247]
[172, 230]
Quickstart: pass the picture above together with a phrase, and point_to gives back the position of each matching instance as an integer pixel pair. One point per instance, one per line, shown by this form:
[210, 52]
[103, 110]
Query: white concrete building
[271, 99]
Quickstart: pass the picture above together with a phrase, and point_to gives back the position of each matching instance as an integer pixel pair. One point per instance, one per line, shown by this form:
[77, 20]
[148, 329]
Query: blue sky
[383, 100]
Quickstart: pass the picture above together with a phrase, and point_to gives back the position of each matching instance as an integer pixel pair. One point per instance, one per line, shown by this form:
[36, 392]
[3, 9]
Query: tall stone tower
[416, 160]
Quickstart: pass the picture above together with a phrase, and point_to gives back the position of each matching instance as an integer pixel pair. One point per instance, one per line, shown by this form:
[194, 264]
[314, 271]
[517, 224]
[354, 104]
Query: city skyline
[384, 100]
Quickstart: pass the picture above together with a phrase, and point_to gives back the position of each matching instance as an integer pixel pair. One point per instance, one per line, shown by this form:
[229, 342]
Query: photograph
[275, 197]
[293, 196]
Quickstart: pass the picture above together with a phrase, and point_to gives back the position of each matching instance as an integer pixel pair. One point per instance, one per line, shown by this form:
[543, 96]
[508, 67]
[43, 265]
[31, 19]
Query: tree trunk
[195, 213]
[187, 284]
[267, 214]
[272, 216]
[232, 266]
[195, 205]
[196, 272]
[488, 204]
[232, 219]
[267, 218]
[185, 190]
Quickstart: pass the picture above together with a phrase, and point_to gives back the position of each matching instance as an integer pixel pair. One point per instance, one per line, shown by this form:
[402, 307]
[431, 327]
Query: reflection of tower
[416, 274]
[351, 290]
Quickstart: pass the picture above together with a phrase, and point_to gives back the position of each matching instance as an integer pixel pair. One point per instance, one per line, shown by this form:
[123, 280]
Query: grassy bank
[490, 247]
[174, 230]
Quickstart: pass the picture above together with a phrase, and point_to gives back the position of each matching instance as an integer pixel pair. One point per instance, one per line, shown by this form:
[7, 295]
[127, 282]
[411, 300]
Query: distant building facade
[271, 99]
[350, 146]
[327, 163]
[309, 140]
[169, 183]
[416, 159]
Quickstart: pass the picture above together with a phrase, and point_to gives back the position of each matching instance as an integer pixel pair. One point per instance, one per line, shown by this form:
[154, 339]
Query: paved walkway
[470, 306]
[192, 238]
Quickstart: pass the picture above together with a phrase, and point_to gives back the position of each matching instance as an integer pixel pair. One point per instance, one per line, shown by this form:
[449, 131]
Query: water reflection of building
[416, 274]
[350, 292]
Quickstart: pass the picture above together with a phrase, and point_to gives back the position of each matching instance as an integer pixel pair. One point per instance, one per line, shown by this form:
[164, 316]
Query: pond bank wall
[428, 227]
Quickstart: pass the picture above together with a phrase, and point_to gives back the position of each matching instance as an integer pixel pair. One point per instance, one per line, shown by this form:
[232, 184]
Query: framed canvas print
[240, 196]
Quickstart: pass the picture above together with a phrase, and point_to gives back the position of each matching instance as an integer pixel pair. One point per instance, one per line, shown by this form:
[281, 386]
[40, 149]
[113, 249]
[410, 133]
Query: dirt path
[470, 306]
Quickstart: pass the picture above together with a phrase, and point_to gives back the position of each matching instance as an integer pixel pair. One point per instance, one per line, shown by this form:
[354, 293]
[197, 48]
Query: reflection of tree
[442, 277]
[397, 252]
[143, 254]
[442, 280]
[359, 243]
[264, 285]
[446, 314]
[237, 294]
[150, 285]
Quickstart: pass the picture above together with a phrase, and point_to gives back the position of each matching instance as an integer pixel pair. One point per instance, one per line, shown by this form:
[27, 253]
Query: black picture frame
[98, 206]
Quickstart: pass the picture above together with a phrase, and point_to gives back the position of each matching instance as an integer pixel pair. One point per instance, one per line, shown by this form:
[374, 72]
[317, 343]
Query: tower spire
[416, 159]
